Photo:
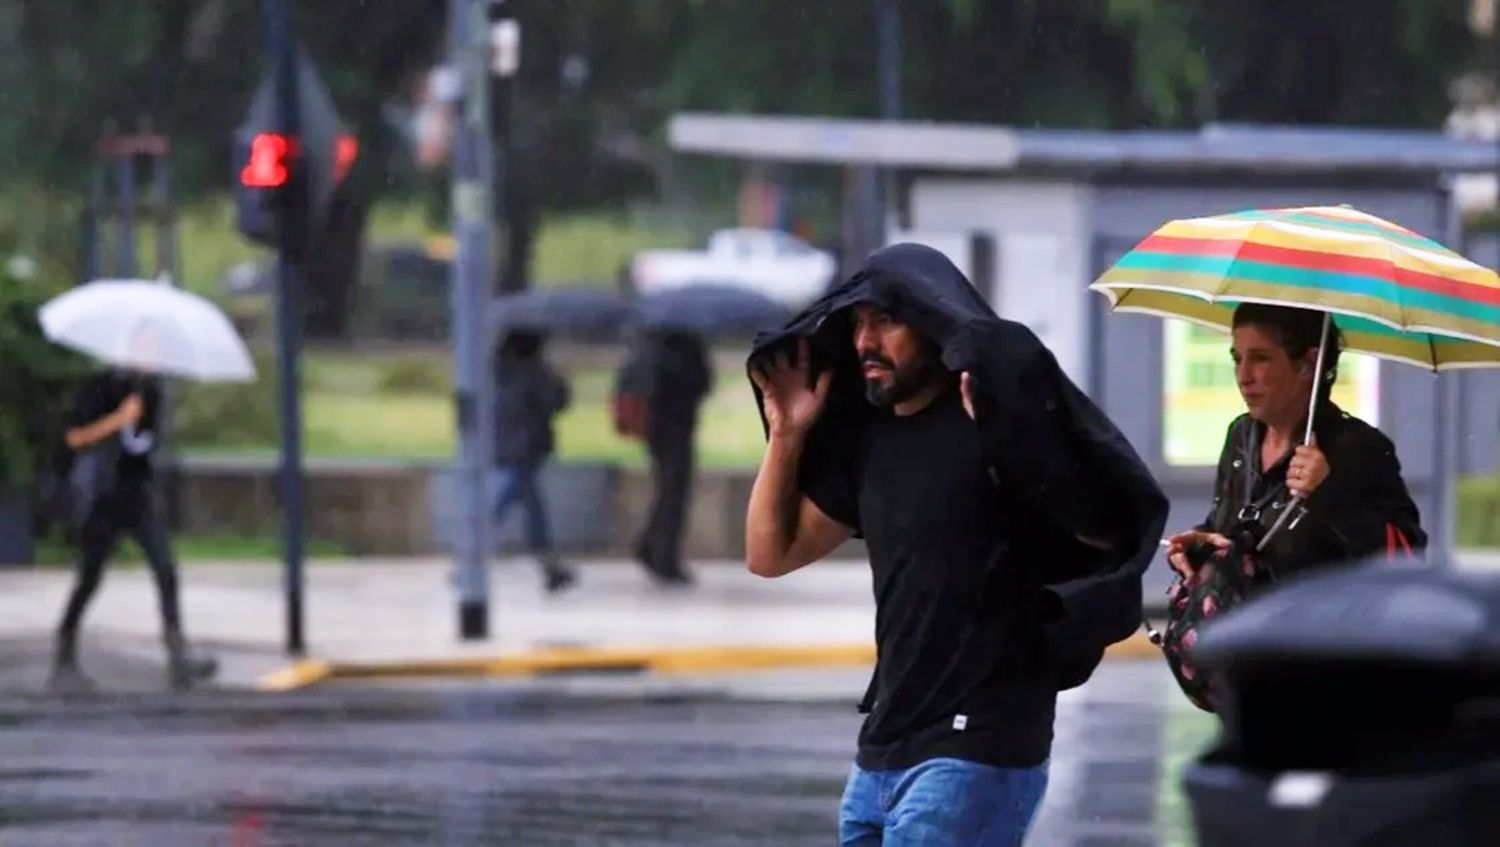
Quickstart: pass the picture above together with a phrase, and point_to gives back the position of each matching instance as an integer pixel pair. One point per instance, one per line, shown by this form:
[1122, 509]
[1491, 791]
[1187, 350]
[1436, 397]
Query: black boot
[184, 670]
[556, 574]
[67, 677]
[672, 575]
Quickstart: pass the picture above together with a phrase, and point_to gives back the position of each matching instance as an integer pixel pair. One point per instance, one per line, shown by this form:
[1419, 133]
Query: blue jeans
[518, 484]
[940, 802]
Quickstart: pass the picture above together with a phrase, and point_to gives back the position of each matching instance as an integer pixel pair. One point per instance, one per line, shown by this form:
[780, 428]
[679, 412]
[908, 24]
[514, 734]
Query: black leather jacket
[1347, 516]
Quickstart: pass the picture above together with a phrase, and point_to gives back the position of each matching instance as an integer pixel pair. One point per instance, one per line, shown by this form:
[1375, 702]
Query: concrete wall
[407, 508]
[370, 508]
[598, 509]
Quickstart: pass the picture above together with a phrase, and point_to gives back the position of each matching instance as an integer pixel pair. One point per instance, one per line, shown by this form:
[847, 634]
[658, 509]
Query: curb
[303, 674]
[670, 660]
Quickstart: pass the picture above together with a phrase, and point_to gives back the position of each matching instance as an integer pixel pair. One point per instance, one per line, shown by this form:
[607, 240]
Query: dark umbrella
[714, 310]
[585, 314]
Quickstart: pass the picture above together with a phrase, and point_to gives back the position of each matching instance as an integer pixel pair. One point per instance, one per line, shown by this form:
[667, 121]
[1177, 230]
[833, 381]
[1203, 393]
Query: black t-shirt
[100, 396]
[956, 674]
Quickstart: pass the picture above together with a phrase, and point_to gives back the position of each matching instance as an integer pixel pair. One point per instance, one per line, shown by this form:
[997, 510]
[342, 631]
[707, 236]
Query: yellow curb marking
[641, 660]
[298, 675]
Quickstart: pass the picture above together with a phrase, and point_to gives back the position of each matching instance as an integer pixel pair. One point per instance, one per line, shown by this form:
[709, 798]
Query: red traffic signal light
[344, 154]
[268, 166]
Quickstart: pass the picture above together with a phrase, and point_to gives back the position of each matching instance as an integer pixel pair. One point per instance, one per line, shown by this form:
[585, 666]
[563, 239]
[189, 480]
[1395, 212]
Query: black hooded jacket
[1045, 443]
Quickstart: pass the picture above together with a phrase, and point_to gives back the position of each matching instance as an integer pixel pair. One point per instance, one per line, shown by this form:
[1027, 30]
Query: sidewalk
[385, 617]
[372, 617]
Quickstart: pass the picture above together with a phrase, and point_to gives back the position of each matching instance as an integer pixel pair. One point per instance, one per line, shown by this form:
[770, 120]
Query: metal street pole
[505, 47]
[472, 267]
[291, 250]
[888, 56]
[1445, 429]
[125, 165]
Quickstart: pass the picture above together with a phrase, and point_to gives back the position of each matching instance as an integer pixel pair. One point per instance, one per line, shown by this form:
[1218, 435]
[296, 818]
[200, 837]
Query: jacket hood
[918, 286]
[913, 283]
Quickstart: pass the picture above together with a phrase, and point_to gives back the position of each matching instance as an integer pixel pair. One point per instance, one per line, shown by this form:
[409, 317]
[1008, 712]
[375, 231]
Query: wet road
[531, 764]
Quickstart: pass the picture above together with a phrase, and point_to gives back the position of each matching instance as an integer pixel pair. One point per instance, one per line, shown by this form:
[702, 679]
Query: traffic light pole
[472, 268]
[888, 55]
[292, 239]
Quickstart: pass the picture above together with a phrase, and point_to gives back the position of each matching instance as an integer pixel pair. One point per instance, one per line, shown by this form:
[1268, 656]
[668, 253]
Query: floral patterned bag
[1220, 584]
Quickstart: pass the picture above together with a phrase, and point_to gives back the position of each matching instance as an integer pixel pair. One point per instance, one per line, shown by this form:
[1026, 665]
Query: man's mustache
[877, 359]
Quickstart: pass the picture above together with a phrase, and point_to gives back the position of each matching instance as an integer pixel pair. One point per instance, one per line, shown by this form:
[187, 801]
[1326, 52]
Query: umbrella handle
[1312, 403]
[1312, 410]
[1280, 521]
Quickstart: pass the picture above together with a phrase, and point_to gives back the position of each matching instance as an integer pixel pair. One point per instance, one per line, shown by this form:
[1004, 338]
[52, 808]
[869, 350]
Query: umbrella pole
[1312, 403]
[1312, 410]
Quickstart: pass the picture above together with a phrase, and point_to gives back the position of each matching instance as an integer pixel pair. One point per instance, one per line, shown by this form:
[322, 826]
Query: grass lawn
[194, 548]
[420, 425]
[398, 405]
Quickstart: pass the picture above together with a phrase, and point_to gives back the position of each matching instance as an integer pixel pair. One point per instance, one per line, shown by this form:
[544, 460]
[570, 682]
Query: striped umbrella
[1396, 294]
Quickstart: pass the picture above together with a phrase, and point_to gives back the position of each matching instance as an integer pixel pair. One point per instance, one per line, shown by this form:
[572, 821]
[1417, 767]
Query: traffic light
[269, 164]
[267, 160]
[265, 167]
[345, 152]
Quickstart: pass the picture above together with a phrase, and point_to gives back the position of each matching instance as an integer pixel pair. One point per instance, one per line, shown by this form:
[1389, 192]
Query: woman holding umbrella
[144, 330]
[1300, 483]
[1344, 483]
[113, 433]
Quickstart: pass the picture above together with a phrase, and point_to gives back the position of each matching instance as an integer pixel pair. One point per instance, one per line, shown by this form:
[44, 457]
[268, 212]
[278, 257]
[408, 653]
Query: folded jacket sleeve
[1050, 441]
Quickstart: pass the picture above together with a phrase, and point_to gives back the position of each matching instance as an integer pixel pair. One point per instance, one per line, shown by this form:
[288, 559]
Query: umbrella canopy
[149, 326]
[1395, 294]
[587, 314]
[714, 310]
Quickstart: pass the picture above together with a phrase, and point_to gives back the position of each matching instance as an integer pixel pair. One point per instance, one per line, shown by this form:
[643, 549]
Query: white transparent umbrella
[149, 326]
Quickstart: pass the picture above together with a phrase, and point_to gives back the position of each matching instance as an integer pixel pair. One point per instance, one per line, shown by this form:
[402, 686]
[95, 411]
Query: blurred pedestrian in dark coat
[658, 394]
[528, 397]
[112, 435]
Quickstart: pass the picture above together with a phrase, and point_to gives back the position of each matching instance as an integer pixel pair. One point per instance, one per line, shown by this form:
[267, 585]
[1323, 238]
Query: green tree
[37, 381]
[574, 127]
[189, 67]
[1378, 62]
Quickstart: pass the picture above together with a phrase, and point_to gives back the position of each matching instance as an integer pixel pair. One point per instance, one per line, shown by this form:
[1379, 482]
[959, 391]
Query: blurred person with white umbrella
[144, 331]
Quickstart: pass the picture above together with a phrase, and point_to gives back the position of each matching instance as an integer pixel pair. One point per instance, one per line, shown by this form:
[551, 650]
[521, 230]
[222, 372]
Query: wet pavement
[752, 759]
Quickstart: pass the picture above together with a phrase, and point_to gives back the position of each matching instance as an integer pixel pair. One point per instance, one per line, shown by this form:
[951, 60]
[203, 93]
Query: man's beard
[903, 384]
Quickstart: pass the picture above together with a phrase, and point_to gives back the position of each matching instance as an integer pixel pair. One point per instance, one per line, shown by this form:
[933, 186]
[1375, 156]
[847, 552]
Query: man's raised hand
[792, 401]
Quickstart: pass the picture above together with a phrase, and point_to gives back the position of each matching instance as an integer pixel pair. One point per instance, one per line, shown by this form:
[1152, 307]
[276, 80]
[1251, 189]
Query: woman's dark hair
[1297, 331]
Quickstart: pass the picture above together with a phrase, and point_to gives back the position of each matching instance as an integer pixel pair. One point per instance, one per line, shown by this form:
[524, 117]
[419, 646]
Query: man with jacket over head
[1008, 525]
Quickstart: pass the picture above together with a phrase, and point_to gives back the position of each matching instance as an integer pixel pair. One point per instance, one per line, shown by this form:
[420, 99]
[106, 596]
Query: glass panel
[1200, 398]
